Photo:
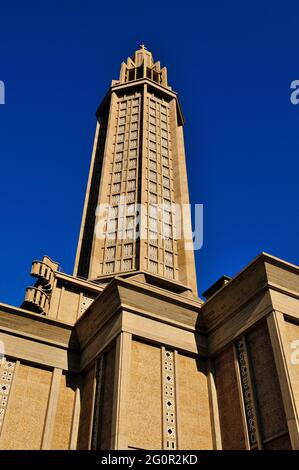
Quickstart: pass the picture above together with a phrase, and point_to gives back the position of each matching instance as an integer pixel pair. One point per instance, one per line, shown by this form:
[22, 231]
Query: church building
[123, 353]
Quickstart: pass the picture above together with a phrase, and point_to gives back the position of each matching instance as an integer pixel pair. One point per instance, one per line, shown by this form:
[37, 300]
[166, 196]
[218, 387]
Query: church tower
[123, 354]
[138, 169]
[140, 250]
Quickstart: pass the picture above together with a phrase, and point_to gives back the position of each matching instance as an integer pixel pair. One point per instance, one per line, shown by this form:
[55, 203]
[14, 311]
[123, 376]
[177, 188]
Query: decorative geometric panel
[110, 252]
[130, 196]
[109, 267]
[166, 216]
[169, 399]
[166, 182]
[97, 404]
[116, 188]
[152, 236]
[86, 301]
[152, 187]
[152, 155]
[248, 395]
[168, 243]
[153, 224]
[127, 264]
[119, 147]
[159, 175]
[111, 238]
[131, 185]
[124, 158]
[131, 209]
[118, 166]
[165, 170]
[113, 212]
[7, 369]
[128, 249]
[166, 192]
[117, 176]
[130, 222]
[132, 164]
[167, 230]
[168, 258]
[153, 252]
[153, 165]
[153, 175]
[153, 198]
[119, 156]
[132, 174]
[133, 153]
[169, 272]
[115, 199]
[153, 266]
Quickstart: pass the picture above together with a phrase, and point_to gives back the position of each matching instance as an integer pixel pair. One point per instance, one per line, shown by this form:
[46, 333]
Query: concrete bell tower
[138, 159]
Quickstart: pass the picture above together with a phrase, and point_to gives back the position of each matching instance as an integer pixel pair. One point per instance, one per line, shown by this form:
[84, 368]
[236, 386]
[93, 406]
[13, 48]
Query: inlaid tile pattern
[7, 369]
[247, 392]
[85, 303]
[96, 434]
[168, 373]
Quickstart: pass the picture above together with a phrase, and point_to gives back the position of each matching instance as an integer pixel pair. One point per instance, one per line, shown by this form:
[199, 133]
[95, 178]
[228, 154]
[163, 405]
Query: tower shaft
[138, 169]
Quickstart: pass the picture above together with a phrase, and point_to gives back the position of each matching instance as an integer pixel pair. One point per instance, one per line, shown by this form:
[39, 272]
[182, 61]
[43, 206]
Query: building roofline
[263, 256]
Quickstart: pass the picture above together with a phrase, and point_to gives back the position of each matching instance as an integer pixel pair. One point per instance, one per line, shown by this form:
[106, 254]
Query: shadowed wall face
[249, 396]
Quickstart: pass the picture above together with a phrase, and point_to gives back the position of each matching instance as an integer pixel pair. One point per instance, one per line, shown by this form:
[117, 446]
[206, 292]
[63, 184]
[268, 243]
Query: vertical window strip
[169, 400]
[248, 394]
[7, 370]
[96, 427]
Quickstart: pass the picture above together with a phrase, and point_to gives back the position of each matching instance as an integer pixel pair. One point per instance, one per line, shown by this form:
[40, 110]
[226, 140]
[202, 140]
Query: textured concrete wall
[268, 394]
[25, 419]
[230, 415]
[145, 404]
[68, 306]
[292, 335]
[64, 413]
[193, 412]
[86, 409]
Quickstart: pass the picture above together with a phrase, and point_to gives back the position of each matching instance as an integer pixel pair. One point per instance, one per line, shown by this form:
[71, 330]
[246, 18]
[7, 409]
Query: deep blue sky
[231, 62]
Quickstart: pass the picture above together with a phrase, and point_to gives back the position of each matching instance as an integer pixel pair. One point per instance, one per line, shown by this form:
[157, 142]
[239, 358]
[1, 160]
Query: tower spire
[142, 65]
[138, 159]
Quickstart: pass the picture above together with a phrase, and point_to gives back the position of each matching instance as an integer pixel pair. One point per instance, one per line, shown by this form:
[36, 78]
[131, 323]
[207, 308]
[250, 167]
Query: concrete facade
[123, 354]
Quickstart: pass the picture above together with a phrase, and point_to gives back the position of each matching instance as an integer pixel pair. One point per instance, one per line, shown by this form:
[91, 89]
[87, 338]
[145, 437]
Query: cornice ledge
[161, 319]
[223, 317]
[21, 312]
[283, 290]
[161, 293]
